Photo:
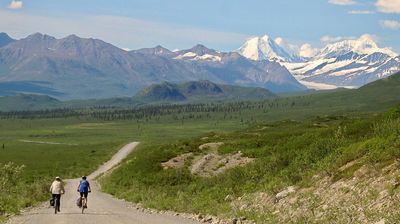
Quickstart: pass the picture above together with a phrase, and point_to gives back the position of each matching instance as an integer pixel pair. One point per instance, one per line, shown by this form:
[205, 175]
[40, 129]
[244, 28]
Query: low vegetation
[287, 153]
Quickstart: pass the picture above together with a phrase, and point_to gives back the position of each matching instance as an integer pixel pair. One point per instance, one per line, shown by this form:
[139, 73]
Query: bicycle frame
[83, 199]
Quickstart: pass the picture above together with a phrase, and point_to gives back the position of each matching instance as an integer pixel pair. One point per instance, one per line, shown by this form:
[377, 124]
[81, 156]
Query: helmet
[58, 178]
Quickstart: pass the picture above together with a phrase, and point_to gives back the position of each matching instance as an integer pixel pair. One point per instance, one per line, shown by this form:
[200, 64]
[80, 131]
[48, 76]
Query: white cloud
[279, 41]
[121, 31]
[289, 47]
[15, 4]
[391, 24]
[328, 39]
[342, 2]
[364, 12]
[366, 36]
[306, 50]
[388, 6]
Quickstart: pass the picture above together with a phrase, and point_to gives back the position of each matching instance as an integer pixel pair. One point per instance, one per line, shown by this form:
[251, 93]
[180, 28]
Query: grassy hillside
[28, 102]
[373, 96]
[200, 91]
[286, 153]
[161, 92]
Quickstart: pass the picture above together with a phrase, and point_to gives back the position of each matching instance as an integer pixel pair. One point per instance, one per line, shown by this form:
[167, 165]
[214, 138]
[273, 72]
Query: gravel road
[102, 208]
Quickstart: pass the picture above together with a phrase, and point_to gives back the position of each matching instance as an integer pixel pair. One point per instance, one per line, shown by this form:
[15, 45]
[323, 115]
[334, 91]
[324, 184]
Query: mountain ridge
[5, 39]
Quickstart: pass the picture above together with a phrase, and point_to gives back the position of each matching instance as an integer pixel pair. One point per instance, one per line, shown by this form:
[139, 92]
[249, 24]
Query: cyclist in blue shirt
[84, 188]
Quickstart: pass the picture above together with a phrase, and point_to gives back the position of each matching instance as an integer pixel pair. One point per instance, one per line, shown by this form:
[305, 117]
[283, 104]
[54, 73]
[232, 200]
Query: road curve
[102, 208]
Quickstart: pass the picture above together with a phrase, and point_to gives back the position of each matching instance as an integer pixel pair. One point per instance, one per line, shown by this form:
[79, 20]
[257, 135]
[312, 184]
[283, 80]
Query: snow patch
[195, 57]
[208, 57]
[317, 86]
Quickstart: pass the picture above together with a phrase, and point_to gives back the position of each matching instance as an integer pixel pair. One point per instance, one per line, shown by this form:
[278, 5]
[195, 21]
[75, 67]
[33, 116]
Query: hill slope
[380, 94]
[201, 91]
[22, 102]
[160, 92]
[327, 169]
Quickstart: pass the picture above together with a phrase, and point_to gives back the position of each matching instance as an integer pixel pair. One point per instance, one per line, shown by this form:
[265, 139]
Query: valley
[324, 139]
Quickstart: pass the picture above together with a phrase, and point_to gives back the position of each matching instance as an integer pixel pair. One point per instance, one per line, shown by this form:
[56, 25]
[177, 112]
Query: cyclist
[56, 189]
[84, 188]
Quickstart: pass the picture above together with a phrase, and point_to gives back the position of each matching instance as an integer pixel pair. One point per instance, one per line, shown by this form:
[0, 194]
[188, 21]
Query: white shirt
[57, 187]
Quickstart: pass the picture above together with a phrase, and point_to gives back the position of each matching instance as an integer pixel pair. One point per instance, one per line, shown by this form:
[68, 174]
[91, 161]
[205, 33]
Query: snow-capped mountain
[363, 45]
[228, 65]
[265, 48]
[347, 63]
[78, 68]
[199, 53]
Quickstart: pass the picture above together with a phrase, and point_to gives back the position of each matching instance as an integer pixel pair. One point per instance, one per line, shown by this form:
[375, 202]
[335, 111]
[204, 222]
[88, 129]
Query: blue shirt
[83, 186]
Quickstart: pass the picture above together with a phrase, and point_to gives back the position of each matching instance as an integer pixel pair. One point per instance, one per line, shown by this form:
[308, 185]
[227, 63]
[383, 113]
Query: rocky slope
[371, 195]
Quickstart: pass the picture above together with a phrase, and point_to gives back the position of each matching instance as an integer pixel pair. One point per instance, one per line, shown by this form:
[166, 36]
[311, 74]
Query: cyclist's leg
[58, 201]
[54, 198]
[81, 193]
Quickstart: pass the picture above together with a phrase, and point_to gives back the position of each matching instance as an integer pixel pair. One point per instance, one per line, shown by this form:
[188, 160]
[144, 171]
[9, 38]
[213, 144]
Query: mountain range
[346, 63]
[83, 68]
[79, 68]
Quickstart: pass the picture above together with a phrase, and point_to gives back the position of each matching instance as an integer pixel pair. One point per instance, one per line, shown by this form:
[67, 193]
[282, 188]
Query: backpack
[79, 202]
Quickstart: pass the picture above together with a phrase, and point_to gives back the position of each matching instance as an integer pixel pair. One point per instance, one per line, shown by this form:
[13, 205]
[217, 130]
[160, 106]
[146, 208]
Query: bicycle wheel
[83, 204]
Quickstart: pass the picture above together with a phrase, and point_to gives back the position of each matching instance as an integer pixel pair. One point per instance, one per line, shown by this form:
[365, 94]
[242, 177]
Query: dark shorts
[84, 194]
[58, 196]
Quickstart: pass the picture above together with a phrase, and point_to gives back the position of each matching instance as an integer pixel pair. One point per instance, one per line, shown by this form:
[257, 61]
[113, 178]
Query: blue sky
[219, 24]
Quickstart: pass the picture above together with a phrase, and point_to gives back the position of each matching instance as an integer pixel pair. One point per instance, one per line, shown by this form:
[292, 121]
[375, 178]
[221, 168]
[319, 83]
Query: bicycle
[83, 204]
